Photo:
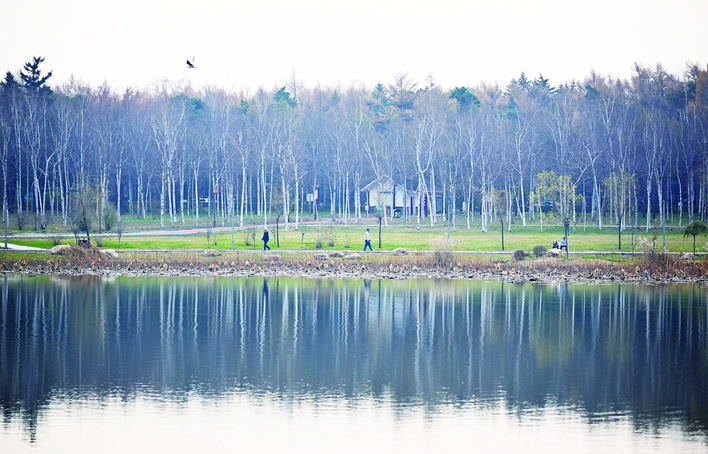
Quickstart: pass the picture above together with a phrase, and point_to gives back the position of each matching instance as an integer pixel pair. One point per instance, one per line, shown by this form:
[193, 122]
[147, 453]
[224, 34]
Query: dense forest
[601, 150]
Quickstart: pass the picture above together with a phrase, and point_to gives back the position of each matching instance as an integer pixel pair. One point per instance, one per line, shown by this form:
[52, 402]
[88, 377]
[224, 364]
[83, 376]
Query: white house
[389, 195]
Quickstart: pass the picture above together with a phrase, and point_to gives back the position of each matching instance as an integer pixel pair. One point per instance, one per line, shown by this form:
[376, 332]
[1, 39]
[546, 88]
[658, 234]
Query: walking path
[17, 247]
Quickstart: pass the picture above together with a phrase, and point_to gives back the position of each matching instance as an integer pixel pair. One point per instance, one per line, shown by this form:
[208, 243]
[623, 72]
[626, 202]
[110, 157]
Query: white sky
[248, 44]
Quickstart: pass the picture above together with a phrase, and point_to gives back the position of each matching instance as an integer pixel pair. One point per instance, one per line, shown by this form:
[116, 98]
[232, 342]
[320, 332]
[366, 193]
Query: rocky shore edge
[653, 268]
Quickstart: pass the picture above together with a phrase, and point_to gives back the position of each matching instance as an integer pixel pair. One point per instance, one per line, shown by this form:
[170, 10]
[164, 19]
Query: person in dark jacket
[265, 239]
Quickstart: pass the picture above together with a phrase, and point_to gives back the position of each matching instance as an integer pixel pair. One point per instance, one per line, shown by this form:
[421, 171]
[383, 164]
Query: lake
[220, 364]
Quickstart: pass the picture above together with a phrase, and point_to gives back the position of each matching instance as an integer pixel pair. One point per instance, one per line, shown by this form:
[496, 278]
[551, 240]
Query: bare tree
[430, 117]
[168, 126]
[62, 133]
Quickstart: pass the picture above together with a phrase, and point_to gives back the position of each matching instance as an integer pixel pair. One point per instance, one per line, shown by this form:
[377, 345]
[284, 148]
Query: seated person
[555, 244]
[564, 244]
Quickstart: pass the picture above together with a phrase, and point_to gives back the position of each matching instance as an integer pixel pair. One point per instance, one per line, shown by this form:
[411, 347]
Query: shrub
[249, 236]
[661, 262]
[81, 254]
[20, 220]
[109, 217]
[519, 255]
[119, 231]
[444, 258]
[324, 237]
[331, 237]
[55, 239]
[442, 250]
[539, 251]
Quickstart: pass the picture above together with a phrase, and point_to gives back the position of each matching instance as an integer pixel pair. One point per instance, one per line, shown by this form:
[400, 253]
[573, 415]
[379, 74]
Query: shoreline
[650, 269]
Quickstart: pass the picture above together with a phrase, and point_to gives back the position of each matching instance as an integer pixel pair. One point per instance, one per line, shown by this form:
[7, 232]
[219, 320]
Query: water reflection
[602, 353]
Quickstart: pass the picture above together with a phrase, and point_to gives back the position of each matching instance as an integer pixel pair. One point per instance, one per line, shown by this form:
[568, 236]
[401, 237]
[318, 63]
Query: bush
[249, 236]
[539, 251]
[519, 255]
[331, 237]
[442, 250]
[443, 258]
[660, 262]
[20, 220]
[324, 238]
[55, 239]
[109, 217]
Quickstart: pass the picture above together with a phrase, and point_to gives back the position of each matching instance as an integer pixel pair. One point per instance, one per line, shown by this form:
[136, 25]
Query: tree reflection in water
[636, 350]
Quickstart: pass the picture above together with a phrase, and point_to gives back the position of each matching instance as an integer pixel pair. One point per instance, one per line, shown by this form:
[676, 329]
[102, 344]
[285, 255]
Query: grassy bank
[328, 236]
[650, 267]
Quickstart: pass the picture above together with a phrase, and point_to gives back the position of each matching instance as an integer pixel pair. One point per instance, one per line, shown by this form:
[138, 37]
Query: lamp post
[619, 230]
[447, 211]
[315, 198]
[566, 225]
[216, 193]
[100, 213]
[501, 219]
[380, 215]
[663, 223]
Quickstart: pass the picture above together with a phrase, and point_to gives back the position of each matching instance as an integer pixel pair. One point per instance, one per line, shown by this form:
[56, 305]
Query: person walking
[367, 240]
[265, 239]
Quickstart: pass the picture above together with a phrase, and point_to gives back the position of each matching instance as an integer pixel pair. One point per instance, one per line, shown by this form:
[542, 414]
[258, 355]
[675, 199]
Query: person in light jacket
[367, 240]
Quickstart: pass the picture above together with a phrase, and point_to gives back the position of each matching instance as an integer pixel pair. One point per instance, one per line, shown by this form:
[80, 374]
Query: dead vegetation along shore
[650, 267]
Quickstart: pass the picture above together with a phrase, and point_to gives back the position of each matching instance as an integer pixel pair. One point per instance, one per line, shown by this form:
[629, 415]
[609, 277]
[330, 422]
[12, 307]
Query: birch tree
[167, 120]
[430, 116]
[62, 130]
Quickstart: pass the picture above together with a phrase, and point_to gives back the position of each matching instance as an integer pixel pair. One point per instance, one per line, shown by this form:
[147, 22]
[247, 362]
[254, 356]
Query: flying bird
[190, 64]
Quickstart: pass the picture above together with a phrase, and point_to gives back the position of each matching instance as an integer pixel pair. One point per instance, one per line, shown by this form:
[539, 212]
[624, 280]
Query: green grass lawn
[328, 236]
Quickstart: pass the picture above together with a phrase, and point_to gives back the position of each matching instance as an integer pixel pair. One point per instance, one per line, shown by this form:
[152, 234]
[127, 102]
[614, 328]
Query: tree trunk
[649, 183]
[243, 192]
[163, 184]
[119, 174]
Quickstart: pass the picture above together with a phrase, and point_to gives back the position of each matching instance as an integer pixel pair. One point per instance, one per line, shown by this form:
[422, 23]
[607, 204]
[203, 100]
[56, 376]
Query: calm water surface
[148, 365]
